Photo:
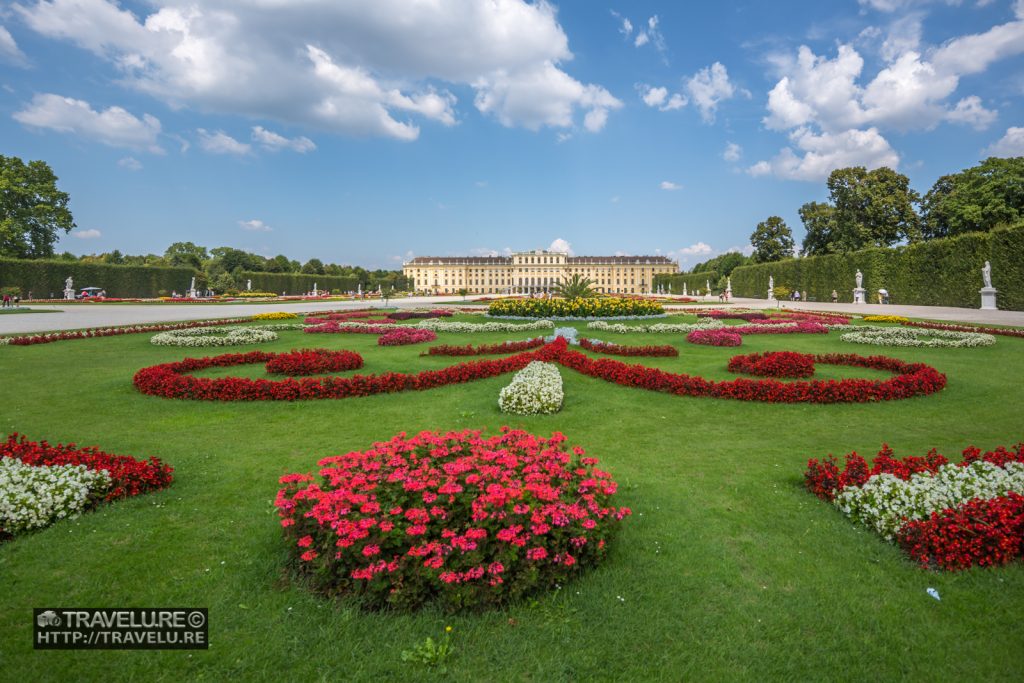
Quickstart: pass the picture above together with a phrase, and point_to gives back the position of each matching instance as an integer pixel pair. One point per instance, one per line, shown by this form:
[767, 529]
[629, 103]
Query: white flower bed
[912, 336]
[657, 328]
[33, 497]
[438, 325]
[215, 336]
[581, 318]
[535, 390]
[884, 501]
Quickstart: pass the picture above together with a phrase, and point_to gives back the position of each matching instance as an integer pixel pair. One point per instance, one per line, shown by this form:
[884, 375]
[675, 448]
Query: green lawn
[728, 570]
[22, 309]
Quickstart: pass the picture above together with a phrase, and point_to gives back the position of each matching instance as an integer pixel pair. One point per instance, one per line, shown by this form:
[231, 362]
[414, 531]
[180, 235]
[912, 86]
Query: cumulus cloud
[698, 249]
[255, 225]
[669, 185]
[1010, 145]
[114, 126]
[275, 142]
[130, 163]
[818, 155]
[659, 97]
[219, 142]
[560, 245]
[708, 87]
[90, 234]
[345, 66]
[9, 50]
[971, 112]
[732, 152]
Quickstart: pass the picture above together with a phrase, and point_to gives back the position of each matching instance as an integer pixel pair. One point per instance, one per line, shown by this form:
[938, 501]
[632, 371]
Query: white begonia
[438, 325]
[216, 336]
[908, 336]
[33, 496]
[657, 328]
[535, 390]
[884, 502]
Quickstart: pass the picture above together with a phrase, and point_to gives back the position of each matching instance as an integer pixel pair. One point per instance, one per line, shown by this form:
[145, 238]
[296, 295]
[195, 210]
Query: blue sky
[366, 133]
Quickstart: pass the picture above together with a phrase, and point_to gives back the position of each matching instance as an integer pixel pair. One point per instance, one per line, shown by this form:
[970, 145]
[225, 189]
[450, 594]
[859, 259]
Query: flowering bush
[447, 326]
[401, 336]
[719, 337]
[596, 307]
[213, 336]
[885, 319]
[535, 390]
[774, 364]
[903, 336]
[485, 349]
[455, 519]
[313, 362]
[29, 340]
[35, 497]
[611, 349]
[1004, 331]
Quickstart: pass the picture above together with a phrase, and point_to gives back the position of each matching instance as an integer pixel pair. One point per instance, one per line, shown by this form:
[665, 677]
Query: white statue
[860, 279]
[684, 289]
[69, 288]
[315, 292]
[70, 284]
[771, 282]
[986, 274]
[728, 286]
[707, 286]
[248, 285]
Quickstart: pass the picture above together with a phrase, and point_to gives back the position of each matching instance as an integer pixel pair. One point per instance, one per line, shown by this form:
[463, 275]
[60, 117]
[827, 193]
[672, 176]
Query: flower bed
[35, 497]
[566, 333]
[448, 326]
[885, 319]
[904, 336]
[276, 315]
[335, 327]
[596, 307]
[945, 515]
[719, 337]
[402, 336]
[800, 327]
[1004, 331]
[774, 364]
[611, 349]
[213, 336]
[732, 315]
[485, 349]
[455, 519]
[313, 362]
[656, 328]
[535, 390]
[30, 339]
[416, 315]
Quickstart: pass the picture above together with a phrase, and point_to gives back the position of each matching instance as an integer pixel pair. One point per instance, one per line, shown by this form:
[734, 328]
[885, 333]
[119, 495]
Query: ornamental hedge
[939, 272]
[43, 277]
[694, 281]
[297, 283]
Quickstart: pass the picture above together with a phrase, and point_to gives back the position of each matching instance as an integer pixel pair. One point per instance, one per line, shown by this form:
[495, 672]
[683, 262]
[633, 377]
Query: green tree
[32, 210]
[186, 254]
[723, 264]
[313, 266]
[233, 260]
[772, 240]
[976, 199]
[576, 287]
[819, 221]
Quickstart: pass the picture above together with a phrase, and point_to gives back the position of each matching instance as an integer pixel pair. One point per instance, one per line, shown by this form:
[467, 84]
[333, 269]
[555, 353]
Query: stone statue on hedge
[986, 274]
[69, 288]
[860, 279]
[988, 292]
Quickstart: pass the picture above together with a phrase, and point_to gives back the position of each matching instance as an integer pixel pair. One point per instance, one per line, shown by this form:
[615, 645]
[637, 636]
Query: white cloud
[625, 25]
[1010, 145]
[825, 152]
[130, 163]
[560, 245]
[745, 250]
[732, 152]
[641, 39]
[274, 142]
[651, 34]
[90, 234]
[480, 183]
[660, 98]
[708, 87]
[346, 66]
[255, 225]
[9, 50]
[698, 249]
[970, 111]
[114, 126]
[219, 142]
[669, 185]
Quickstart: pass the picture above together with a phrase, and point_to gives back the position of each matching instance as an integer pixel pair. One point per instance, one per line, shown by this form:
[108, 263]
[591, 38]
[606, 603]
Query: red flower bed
[774, 364]
[128, 476]
[622, 350]
[802, 327]
[719, 337]
[405, 335]
[28, 340]
[982, 532]
[415, 315]
[1005, 331]
[485, 349]
[313, 362]
[332, 327]
[731, 315]
[455, 519]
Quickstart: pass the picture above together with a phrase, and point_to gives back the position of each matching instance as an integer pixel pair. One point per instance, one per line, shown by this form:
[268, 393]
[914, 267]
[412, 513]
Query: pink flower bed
[402, 336]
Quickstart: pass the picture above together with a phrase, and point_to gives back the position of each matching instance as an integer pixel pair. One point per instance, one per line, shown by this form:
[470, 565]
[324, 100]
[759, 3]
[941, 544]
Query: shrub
[454, 519]
[535, 390]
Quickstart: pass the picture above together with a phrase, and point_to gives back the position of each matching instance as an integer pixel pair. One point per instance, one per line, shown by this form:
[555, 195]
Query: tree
[819, 220]
[576, 287]
[772, 240]
[234, 260]
[873, 208]
[976, 199]
[186, 254]
[32, 210]
[723, 264]
[313, 266]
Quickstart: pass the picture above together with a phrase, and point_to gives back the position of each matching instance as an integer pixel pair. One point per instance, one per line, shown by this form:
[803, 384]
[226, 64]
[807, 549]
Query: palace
[535, 271]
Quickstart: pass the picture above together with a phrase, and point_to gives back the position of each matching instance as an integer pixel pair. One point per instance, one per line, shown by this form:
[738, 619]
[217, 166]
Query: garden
[447, 495]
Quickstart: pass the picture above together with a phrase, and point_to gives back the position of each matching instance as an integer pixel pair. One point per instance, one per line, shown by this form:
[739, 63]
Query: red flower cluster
[456, 519]
[128, 476]
[731, 315]
[624, 350]
[415, 315]
[1005, 331]
[774, 364]
[332, 327]
[313, 362]
[485, 349]
[718, 337]
[401, 336]
[802, 327]
[982, 532]
[28, 340]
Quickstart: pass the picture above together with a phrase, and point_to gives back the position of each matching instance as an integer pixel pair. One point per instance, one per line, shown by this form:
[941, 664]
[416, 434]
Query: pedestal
[69, 294]
[858, 295]
[988, 298]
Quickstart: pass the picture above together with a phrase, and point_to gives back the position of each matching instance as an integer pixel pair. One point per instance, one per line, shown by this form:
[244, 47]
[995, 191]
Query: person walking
[7, 300]
[835, 296]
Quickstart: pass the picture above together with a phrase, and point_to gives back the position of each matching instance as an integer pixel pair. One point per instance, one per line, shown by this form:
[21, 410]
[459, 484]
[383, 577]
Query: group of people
[12, 301]
[797, 296]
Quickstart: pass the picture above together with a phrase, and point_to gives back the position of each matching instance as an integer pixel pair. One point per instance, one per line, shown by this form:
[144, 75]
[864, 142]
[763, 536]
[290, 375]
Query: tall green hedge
[940, 272]
[296, 283]
[45, 277]
[694, 281]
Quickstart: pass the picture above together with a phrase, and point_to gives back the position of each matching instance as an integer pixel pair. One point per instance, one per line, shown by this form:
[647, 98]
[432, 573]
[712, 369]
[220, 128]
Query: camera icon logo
[48, 618]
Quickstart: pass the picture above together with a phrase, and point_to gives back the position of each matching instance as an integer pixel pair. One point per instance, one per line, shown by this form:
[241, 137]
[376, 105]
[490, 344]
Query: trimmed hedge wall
[296, 283]
[939, 272]
[43, 276]
[694, 281]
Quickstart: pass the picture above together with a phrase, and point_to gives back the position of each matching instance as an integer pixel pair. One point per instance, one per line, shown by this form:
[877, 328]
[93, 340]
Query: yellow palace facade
[531, 272]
